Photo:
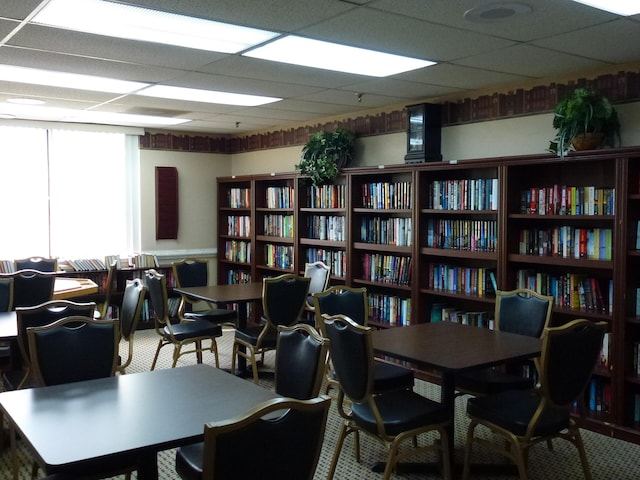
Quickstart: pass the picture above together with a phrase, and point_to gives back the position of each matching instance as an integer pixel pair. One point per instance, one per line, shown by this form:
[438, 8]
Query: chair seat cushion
[387, 376]
[488, 381]
[250, 336]
[217, 315]
[189, 461]
[194, 329]
[401, 410]
[513, 411]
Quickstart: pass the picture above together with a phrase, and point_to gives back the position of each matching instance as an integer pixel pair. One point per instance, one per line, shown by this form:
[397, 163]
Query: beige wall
[198, 172]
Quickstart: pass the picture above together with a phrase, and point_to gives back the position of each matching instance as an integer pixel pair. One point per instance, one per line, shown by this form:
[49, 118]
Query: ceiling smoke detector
[496, 11]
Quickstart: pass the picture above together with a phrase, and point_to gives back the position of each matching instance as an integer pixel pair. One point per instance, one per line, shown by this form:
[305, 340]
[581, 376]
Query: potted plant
[585, 120]
[325, 154]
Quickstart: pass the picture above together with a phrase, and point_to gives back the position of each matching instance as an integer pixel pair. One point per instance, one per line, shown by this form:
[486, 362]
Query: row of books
[387, 231]
[472, 235]
[335, 259]
[327, 196]
[279, 197]
[568, 200]
[389, 309]
[383, 268]
[387, 195]
[81, 265]
[238, 276]
[598, 396]
[144, 260]
[442, 312]
[237, 251]
[239, 225]
[637, 302]
[567, 242]
[239, 197]
[327, 227]
[571, 290]
[278, 256]
[278, 225]
[463, 194]
[476, 281]
[636, 358]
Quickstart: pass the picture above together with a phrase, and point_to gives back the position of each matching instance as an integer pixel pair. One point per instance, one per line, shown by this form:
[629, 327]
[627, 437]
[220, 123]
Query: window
[68, 194]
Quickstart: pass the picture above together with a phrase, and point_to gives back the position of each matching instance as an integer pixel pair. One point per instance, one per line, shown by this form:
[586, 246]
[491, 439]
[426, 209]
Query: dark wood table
[143, 412]
[239, 293]
[451, 348]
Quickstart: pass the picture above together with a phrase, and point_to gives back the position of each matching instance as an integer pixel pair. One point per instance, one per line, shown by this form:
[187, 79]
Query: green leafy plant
[584, 112]
[325, 154]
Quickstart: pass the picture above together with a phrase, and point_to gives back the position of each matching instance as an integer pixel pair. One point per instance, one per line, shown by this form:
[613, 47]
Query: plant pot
[586, 141]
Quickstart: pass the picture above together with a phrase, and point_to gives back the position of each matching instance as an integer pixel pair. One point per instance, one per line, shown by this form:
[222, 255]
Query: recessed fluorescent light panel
[619, 7]
[136, 23]
[330, 56]
[52, 78]
[206, 96]
[32, 112]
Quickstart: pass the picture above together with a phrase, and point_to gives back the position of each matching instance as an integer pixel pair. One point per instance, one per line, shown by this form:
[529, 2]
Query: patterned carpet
[609, 458]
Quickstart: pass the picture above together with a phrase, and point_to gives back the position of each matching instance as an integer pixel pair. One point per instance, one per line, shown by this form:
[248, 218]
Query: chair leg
[176, 355]
[234, 354]
[583, 454]
[214, 349]
[336, 452]
[155, 358]
[445, 453]
[468, 447]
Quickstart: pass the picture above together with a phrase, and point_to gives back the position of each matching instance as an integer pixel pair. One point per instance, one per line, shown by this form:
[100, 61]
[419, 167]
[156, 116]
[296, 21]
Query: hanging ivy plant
[325, 154]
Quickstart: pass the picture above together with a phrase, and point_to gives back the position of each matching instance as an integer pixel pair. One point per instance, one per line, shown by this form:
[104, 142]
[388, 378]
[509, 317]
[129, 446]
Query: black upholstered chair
[6, 294]
[353, 303]
[519, 419]
[37, 316]
[319, 274]
[283, 300]
[186, 333]
[520, 311]
[103, 308]
[36, 263]
[192, 272]
[301, 356]
[391, 417]
[32, 287]
[130, 313]
[283, 438]
[75, 349]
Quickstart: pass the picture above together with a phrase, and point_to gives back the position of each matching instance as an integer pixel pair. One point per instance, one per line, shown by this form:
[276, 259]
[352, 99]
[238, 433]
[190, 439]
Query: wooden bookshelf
[472, 223]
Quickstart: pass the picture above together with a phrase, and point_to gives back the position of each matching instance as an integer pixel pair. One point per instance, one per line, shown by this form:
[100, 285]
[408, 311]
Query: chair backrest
[293, 429]
[569, 355]
[45, 314]
[341, 300]
[131, 309]
[32, 287]
[351, 353]
[157, 286]
[6, 294]
[36, 263]
[73, 349]
[301, 358]
[522, 311]
[283, 298]
[108, 291]
[191, 272]
[319, 273]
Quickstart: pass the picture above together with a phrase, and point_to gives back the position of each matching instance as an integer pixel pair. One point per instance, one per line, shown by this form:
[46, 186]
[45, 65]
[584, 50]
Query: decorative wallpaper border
[621, 87]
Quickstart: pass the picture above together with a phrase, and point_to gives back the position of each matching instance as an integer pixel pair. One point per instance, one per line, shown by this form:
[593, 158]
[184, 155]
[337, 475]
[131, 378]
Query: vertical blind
[66, 193]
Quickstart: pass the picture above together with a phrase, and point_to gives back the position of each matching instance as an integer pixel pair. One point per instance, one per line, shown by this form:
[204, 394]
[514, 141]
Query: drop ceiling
[557, 39]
